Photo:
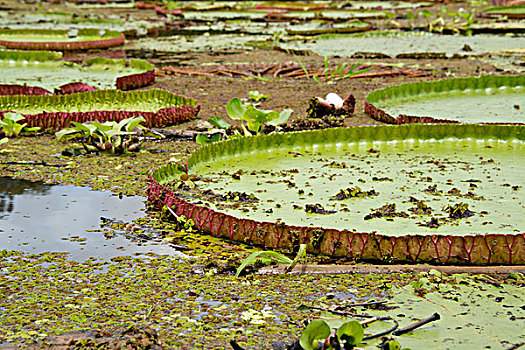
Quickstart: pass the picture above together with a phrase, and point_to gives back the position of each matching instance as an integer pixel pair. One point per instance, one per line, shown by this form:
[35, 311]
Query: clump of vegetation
[386, 211]
[458, 211]
[253, 120]
[115, 138]
[354, 192]
[10, 126]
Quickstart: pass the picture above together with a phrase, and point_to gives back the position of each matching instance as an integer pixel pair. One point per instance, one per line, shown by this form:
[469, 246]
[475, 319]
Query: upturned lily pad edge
[176, 109]
[472, 249]
[419, 88]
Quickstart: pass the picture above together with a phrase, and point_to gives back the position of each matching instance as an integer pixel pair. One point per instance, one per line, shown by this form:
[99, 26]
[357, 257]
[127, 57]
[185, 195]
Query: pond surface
[36, 218]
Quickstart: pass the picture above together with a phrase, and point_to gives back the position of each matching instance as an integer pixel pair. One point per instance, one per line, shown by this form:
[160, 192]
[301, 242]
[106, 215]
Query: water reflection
[35, 218]
[9, 188]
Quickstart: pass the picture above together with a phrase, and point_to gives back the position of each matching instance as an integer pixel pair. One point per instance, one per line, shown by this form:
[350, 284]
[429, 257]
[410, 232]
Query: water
[36, 218]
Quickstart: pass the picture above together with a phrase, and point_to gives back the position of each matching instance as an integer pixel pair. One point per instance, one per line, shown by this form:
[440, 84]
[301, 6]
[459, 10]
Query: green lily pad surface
[283, 178]
[395, 44]
[198, 43]
[488, 99]
[474, 313]
[39, 70]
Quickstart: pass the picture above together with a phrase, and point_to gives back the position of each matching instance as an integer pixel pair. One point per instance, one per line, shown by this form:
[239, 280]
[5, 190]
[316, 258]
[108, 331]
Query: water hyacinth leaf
[283, 117]
[15, 117]
[219, 123]
[257, 96]
[235, 109]
[257, 117]
[351, 332]
[317, 330]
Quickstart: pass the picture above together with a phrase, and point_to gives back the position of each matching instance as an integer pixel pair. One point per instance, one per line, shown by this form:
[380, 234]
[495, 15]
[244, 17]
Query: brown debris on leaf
[125, 337]
[332, 105]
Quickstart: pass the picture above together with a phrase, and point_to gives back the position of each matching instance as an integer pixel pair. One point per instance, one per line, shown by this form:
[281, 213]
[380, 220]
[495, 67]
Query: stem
[418, 324]
[373, 336]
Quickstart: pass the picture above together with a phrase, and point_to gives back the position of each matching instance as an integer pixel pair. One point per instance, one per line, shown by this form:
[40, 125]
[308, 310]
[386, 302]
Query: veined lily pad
[447, 193]
[60, 40]
[488, 99]
[43, 70]
[158, 107]
[406, 45]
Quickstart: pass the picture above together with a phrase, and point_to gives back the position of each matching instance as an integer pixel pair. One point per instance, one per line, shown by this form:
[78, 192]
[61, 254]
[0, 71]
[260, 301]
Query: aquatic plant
[59, 40]
[158, 107]
[10, 127]
[281, 225]
[110, 136]
[489, 93]
[267, 257]
[253, 119]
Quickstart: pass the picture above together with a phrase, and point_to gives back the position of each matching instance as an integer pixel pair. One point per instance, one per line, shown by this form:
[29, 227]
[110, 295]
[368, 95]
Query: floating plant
[487, 99]
[515, 12]
[158, 107]
[66, 21]
[405, 45]
[28, 72]
[59, 40]
[434, 193]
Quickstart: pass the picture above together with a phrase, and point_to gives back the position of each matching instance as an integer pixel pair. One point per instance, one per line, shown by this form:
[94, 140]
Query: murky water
[36, 218]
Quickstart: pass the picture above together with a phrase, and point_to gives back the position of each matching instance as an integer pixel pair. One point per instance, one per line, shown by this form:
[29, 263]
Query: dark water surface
[36, 218]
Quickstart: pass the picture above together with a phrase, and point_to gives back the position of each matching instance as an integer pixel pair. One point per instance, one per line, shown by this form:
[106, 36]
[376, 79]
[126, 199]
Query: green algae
[47, 294]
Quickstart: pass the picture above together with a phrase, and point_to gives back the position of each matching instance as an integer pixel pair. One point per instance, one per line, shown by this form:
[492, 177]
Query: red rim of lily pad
[175, 109]
[472, 249]
[419, 88]
[125, 83]
[109, 39]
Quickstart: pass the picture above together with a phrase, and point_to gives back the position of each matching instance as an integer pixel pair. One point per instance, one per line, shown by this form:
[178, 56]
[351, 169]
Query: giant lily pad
[158, 107]
[398, 192]
[42, 69]
[66, 21]
[488, 99]
[60, 40]
[402, 45]
[516, 12]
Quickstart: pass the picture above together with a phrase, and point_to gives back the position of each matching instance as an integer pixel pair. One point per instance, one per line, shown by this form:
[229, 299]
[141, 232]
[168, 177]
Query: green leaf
[219, 123]
[235, 109]
[265, 257]
[135, 123]
[352, 332]
[4, 140]
[15, 117]
[316, 330]
[283, 117]
[202, 139]
[256, 95]
[66, 132]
